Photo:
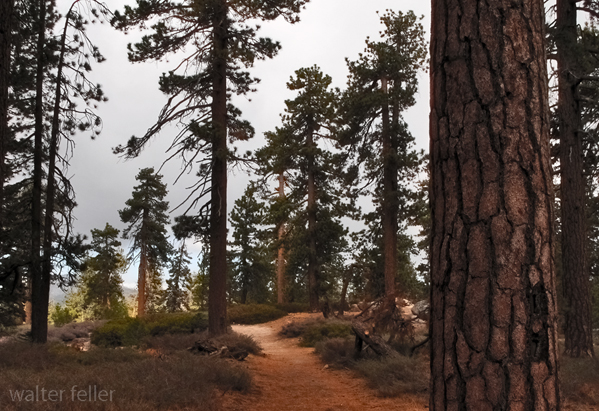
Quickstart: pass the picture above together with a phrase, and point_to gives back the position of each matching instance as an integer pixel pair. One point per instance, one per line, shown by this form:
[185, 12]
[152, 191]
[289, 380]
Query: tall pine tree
[222, 42]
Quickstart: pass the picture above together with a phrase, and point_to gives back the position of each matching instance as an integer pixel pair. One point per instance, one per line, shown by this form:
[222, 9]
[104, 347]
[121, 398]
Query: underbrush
[253, 314]
[71, 331]
[315, 330]
[162, 376]
[132, 331]
[291, 308]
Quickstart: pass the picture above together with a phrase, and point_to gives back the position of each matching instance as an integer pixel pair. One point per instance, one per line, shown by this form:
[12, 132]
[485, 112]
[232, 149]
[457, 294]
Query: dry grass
[139, 380]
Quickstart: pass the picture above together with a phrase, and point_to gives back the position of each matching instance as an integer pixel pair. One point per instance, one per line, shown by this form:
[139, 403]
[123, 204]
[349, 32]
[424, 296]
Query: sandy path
[290, 377]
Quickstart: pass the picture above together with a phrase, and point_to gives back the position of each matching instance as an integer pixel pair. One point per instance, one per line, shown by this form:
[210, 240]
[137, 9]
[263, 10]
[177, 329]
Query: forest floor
[290, 377]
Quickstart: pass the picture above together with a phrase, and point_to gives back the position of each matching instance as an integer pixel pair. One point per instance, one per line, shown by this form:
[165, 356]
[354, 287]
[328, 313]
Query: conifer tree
[222, 42]
[382, 84]
[177, 293]
[100, 285]
[252, 270]
[146, 216]
[314, 234]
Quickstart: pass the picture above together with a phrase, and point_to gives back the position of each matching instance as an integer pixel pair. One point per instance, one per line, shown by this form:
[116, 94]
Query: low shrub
[71, 331]
[393, 376]
[337, 352]
[138, 381]
[253, 314]
[60, 315]
[132, 331]
[314, 330]
[291, 308]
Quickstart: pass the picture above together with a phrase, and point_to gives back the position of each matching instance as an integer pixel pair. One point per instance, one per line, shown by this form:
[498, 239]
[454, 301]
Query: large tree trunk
[217, 295]
[6, 19]
[142, 274]
[493, 320]
[575, 274]
[281, 251]
[40, 289]
[389, 204]
[313, 285]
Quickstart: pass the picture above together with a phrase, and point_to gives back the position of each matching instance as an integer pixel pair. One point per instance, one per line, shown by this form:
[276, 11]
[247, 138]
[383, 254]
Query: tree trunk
[6, 19]
[40, 289]
[312, 261]
[389, 203]
[142, 275]
[493, 320]
[217, 293]
[281, 251]
[575, 274]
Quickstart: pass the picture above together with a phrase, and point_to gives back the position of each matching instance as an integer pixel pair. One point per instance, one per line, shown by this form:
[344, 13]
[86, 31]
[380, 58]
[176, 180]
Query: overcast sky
[329, 31]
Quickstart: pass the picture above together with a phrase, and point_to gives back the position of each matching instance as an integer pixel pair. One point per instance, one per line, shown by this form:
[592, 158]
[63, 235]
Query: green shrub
[290, 308]
[325, 330]
[396, 375]
[253, 314]
[315, 330]
[60, 315]
[132, 331]
[337, 352]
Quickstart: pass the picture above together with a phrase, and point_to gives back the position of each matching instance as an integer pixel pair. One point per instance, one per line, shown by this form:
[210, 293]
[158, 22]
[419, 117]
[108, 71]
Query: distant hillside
[59, 296]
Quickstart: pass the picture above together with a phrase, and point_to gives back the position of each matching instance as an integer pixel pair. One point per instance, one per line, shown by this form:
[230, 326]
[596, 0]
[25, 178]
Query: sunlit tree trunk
[217, 297]
[493, 320]
[575, 273]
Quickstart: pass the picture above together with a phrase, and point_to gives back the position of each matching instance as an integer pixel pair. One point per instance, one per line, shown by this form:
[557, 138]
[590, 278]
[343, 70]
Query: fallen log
[207, 347]
[365, 335]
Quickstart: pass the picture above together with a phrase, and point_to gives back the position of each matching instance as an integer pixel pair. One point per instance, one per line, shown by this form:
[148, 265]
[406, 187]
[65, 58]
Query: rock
[422, 310]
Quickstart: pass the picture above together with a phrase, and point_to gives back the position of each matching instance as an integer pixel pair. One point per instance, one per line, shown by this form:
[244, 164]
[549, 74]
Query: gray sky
[329, 31]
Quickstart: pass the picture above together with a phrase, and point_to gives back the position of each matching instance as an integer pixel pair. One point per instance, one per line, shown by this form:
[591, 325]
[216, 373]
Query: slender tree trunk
[51, 184]
[389, 204]
[40, 285]
[493, 320]
[575, 274]
[312, 261]
[142, 275]
[217, 293]
[6, 19]
[281, 251]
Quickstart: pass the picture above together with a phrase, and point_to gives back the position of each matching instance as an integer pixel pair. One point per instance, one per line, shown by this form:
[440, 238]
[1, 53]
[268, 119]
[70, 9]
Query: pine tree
[493, 293]
[146, 216]
[100, 285]
[382, 84]
[222, 42]
[252, 270]
[177, 295]
[314, 232]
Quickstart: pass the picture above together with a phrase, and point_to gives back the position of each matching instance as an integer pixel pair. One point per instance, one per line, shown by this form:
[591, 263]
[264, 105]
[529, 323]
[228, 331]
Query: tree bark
[389, 204]
[312, 260]
[217, 295]
[281, 251]
[6, 19]
[575, 273]
[40, 289]
[493, 320]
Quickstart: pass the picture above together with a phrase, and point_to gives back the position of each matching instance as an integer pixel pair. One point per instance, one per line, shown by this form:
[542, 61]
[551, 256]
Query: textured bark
[493, 320]
[575, 274]
[390, 204]
[217, 294]
[312, 260]
[281, 251]
[6, 18]
[40, 284]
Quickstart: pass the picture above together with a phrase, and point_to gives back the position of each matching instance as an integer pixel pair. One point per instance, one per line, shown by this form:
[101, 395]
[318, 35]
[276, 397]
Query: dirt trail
[290, 377]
